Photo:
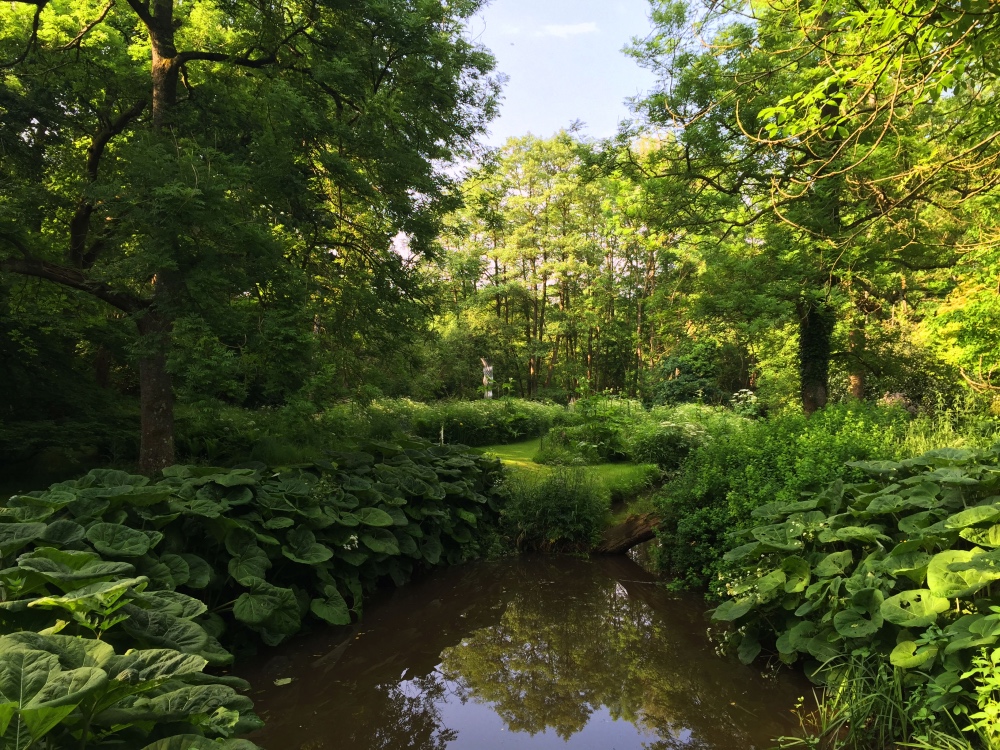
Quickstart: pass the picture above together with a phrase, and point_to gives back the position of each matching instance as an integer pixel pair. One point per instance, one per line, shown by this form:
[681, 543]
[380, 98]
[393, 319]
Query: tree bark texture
[156, 395]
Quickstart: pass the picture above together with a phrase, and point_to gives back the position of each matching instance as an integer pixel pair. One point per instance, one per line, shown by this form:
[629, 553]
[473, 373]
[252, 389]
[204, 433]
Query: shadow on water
[530, 653]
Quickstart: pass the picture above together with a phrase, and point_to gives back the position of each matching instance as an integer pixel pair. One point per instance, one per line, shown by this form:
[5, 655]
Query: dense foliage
[899, 565]
[206, 557]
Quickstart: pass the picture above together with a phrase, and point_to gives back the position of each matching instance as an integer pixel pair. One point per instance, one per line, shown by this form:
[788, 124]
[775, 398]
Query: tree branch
[78, 39]
[79, 225]
[142, 10]
[39, 7]
[74, 279]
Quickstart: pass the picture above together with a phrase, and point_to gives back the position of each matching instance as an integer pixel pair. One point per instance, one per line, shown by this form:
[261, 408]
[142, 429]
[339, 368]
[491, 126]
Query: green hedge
[206, 559]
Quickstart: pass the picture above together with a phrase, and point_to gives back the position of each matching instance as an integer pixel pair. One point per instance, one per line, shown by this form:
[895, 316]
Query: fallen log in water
[619, 539]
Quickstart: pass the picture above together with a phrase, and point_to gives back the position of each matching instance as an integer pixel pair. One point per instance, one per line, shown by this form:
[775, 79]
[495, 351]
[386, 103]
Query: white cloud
[566, 30]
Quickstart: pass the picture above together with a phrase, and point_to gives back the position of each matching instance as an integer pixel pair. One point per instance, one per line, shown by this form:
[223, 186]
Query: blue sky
[565, 63]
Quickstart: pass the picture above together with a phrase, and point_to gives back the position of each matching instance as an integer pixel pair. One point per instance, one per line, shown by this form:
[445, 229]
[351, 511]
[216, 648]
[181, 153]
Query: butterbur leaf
[913, 609]
[855, 623]
[972, 517]
[982, 537]
[834, 564]
[174, 603]
[863, 534]
[63, 533]
[373, 517]
[252, 563]
[908, 655]
[383, 542]
[333, 609]
[199, 571]
[257, 605]
[160, 629]
[749, 648]
[797, 574]
[198, 742]
[115, 540]
[771, 584]
[732, 609]
[947, 578]
[14, 536]
[94, 597]
[743, 551]
[143, 665]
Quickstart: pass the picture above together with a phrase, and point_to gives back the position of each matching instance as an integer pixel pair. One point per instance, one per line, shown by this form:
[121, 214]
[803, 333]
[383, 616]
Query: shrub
[561, 510]
[744, 464]
[900, 565]
[665, 444]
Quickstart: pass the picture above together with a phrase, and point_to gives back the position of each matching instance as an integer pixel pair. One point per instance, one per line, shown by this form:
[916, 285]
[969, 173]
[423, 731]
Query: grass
[620, 482]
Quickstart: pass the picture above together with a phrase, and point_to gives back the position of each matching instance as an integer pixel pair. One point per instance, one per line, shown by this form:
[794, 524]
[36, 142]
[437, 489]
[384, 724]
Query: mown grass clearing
[620, 481]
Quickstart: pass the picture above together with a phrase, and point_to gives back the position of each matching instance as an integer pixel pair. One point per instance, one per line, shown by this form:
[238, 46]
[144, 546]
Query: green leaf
[373, 517]
[769, 585]
[854, 534]
[199, 571]
[382, 542]
[972, 516]
[252, 563]
[732, 609]
[854, 623]
[333, 609]
[95, 597]
[743, 551]
[263, 600]
[944, 580]
[749, 648]
[14, 536]
[197, 742]
[163, 630]
[797, 574]
[834, 564]
[907, 655]
[63, 533]
[115, 540]
[982, 537]
[431, 550]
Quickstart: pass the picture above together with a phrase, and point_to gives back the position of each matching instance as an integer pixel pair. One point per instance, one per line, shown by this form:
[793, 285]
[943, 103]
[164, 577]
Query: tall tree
[167, 158]
[836, 200]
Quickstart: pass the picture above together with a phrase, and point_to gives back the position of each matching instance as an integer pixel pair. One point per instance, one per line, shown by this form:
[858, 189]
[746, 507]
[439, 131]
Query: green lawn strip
[621, 481]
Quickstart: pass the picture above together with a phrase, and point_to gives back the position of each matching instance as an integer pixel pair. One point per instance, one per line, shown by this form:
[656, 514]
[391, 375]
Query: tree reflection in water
[578, 641]
[403, 716]
[564, 652]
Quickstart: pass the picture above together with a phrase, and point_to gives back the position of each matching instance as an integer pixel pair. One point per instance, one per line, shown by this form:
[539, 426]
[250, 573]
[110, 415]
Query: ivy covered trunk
[816, 322]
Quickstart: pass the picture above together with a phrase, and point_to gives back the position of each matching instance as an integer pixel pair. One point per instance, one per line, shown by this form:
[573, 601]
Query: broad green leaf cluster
[71, 691]
[902, 565]
[162, 573]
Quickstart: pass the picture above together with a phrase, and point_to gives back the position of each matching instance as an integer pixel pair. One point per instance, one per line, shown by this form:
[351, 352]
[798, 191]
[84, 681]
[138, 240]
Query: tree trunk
[816, 321]
[156, 395]
[856, 346]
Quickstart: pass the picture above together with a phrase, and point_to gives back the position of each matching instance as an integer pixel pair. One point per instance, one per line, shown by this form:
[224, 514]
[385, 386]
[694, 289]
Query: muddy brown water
[533, 653]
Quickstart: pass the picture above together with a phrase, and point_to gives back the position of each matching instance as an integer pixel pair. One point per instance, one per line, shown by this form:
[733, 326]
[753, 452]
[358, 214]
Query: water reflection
[527, 654]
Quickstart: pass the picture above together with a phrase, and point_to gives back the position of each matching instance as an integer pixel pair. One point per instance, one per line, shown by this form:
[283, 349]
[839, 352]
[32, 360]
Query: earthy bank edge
[118, 591]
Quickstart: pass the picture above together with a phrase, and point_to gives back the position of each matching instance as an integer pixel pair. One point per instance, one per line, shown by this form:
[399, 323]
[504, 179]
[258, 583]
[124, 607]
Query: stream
[536, 653]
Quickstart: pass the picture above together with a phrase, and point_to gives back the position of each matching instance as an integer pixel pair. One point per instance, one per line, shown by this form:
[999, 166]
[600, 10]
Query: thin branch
[78, 39]
[39, 7]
